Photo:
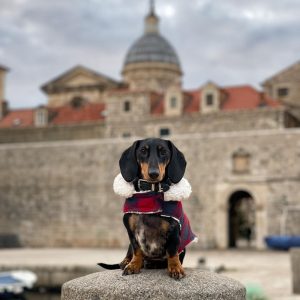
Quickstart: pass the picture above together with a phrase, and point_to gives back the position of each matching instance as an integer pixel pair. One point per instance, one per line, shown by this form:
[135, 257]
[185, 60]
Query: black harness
[141, 185]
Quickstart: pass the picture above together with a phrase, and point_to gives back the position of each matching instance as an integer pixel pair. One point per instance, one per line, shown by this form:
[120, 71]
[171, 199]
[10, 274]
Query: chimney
[3, 104]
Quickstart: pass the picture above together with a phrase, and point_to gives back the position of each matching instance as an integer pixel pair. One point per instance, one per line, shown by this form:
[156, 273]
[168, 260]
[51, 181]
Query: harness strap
[141, 185]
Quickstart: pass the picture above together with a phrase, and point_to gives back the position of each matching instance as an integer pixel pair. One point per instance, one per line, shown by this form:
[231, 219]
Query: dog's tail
[109, 267]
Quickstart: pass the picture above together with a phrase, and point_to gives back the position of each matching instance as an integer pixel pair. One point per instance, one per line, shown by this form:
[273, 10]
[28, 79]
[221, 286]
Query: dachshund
[152, 167]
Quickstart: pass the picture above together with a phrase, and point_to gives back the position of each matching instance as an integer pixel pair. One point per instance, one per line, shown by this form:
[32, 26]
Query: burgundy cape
[153, 203]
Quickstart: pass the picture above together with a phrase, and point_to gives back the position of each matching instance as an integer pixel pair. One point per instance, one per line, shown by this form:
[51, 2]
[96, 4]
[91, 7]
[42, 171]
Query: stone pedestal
[153, 284]
[295, 264]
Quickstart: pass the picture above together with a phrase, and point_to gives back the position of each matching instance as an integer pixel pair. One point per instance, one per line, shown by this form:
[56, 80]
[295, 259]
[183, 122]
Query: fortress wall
[256, 119]
[51, 133]
[131, 123]
[60, 193]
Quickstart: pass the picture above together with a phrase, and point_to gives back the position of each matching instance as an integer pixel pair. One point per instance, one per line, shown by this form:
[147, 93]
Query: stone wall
[52, 133]
[136, 123]
[140, 124]
[60, 193]
[288, 79]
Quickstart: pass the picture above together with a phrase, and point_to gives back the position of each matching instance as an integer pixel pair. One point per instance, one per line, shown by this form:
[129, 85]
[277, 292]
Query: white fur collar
[177, 191]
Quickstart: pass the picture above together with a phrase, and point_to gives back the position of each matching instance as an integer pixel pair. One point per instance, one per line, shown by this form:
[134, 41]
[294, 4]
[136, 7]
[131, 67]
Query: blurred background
[80, 81]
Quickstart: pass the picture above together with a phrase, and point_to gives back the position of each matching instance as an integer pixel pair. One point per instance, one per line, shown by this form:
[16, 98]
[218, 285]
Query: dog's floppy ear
[177, 164]
[128, 163]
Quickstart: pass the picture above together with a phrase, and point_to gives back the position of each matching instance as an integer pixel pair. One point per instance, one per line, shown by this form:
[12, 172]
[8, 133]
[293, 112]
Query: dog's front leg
[137, 260]
[136, 263]
[127, 258]
[174, 265]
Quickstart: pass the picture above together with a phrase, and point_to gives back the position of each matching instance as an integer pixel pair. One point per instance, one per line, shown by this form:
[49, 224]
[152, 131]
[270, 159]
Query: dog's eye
[143, 150]
[162, 151]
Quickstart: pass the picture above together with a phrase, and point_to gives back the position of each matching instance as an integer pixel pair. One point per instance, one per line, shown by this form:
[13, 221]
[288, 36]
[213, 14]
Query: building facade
[58, 161]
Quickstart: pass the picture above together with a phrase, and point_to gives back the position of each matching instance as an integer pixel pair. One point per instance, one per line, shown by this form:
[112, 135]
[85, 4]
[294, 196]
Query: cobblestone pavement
[270, 270]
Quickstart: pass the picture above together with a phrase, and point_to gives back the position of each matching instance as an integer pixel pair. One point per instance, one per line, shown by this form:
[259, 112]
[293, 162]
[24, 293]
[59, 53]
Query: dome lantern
[151, 20]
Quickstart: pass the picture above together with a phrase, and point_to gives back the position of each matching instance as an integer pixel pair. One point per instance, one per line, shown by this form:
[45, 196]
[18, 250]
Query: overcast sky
[227, 41]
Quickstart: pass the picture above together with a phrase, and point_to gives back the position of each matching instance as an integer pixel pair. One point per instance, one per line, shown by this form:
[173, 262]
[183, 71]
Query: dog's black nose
[153, 173]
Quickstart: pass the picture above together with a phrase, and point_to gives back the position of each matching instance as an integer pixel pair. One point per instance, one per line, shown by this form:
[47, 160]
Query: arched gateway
[241, 215]
[241, 220]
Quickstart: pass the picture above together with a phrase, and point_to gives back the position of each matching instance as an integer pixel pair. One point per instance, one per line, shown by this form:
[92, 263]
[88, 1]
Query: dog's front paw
[124, 263]
[132, 268]
[176, 272]
[175, 268]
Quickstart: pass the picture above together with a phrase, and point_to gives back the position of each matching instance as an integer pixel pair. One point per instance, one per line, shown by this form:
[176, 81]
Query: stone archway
[241, 220]
[224, 191]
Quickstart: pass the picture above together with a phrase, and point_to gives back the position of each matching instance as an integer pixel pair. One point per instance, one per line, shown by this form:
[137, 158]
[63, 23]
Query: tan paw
[176, 272]
[132, 268]
[124, 263]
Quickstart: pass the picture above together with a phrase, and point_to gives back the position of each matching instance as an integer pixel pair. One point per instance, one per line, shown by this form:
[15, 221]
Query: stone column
[153, 284]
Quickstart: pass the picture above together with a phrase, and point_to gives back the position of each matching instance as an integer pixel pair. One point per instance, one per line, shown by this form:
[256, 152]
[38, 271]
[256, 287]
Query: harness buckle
[159, 188]
[153, 187]
[146, 185]
[139, 183]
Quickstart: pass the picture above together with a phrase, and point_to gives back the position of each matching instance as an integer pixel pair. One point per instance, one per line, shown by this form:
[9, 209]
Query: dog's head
[152, 160]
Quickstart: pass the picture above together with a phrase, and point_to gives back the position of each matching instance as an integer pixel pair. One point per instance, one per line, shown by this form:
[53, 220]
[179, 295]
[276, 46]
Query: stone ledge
[153, 284]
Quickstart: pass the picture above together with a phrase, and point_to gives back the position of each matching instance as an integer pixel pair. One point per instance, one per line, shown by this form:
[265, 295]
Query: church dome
[151, 62]
[152, 47]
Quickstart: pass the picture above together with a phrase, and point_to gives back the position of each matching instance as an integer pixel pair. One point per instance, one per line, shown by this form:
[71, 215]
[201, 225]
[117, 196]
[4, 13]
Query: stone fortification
[59, 194]
[52, 133]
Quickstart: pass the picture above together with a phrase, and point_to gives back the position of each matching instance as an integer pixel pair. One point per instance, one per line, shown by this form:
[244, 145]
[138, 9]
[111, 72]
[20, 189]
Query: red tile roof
[57, 116]
[71, 115]
[18, 118]
[245, 97]
[233, 98]
[191, 101]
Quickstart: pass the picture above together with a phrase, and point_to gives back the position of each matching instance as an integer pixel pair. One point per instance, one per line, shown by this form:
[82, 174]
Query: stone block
[153, 284]
[295, 264]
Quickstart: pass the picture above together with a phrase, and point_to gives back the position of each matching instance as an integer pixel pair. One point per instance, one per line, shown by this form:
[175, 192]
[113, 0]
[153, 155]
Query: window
[127, 106]
[173, 102]
[164, 132]
[41, 117]
[126, 135]
[282, 92]
[209, 99]
[241, 162]
[77, 102]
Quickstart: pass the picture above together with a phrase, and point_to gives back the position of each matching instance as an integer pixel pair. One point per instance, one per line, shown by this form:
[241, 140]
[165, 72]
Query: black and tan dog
[157, 166]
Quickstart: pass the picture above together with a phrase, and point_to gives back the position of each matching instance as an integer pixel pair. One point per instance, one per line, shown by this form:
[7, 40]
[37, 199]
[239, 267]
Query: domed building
[235, 139]
[151, 65]
[151, 62]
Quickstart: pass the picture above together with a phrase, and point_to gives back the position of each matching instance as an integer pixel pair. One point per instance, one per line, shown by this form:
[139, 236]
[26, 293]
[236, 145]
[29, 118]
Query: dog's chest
[151, 234]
